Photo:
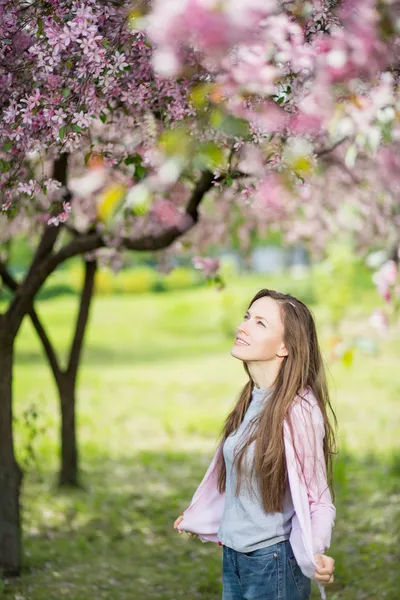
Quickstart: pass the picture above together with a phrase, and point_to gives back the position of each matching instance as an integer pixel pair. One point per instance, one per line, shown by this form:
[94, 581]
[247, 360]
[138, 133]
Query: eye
[258, 322]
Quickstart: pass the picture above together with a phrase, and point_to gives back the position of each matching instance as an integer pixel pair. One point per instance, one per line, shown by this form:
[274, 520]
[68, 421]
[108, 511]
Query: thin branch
[51, 232]
[44, 249]
[335, 160]
[203, 186]
[46, 343]
[83, 315]
[324, 151]
[31, 285]
[11, 283]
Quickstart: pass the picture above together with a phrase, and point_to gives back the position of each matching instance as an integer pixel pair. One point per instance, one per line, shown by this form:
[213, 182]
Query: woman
[265, 496]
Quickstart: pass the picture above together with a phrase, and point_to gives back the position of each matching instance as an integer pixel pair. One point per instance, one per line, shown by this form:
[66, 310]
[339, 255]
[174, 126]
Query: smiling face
[262, 331]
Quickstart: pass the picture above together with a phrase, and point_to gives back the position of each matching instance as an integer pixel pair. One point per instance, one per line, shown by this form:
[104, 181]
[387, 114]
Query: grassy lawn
[156, 383]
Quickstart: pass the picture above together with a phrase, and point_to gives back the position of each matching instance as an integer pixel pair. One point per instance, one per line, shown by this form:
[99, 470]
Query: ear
[282, 351]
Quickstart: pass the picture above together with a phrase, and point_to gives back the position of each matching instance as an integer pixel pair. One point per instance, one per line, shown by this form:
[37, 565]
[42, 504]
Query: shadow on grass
[116, 538]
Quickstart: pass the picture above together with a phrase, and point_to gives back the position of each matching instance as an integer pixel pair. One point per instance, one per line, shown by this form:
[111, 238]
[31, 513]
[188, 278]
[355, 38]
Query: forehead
[268, 308]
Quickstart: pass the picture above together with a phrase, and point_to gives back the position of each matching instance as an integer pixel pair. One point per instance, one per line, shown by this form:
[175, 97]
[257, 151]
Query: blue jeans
[270, 573]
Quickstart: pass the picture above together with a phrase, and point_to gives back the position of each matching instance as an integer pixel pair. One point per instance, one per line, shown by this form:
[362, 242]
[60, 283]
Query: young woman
[265, 496]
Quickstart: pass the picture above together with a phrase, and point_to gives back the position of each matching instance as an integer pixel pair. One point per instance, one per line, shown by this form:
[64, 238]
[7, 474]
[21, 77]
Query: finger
[330, 566]
[324, 579]
[319, 560]
[178, 520]
[324, 570]
[328, 562]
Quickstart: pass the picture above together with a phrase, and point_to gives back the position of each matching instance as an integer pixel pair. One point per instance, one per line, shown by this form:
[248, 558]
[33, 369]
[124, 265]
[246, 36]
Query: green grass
[157, 380]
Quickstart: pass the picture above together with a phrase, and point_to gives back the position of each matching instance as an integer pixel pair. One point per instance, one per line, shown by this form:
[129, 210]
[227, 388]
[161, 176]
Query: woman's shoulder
[305, 399]
[306, 403]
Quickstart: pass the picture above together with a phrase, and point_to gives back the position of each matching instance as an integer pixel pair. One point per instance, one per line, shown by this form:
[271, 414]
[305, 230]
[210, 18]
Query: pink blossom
[10, 113]
[166, 212]
[58, 117]
[30, 188]
[32, 100]
[209, 266]
[62, 216]
[270, 199]
[81, 119]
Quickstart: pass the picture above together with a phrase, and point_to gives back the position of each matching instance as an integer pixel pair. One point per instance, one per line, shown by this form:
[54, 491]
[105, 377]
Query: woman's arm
[309, 432]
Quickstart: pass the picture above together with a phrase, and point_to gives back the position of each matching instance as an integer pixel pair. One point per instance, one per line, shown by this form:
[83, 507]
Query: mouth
[240, 342]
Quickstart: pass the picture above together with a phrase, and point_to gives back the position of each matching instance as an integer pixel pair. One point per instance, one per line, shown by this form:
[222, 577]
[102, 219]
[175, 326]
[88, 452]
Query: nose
[241, 330]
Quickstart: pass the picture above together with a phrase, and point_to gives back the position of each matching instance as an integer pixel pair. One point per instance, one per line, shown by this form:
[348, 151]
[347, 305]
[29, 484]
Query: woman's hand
[325, 567]
[180, 531]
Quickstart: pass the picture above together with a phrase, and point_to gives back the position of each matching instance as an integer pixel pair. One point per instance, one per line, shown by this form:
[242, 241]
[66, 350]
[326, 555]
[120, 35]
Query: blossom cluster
[64, 67]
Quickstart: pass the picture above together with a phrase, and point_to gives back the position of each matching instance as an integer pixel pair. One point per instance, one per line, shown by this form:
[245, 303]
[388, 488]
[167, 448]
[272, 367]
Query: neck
[264, 373]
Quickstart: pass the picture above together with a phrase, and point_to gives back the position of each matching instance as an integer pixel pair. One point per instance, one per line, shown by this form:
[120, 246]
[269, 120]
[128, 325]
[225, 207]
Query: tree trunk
[66, 382]
[65, 379]
[68, 475]
[10, 472]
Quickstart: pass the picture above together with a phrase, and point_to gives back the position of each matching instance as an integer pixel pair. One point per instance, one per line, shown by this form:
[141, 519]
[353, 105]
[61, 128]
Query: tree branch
[203, 185]
[324, 151]
[335, 160]
[92, 241]
[46, 244]
[51, 232]
[11, 283]
[83, 315]
[31, 285]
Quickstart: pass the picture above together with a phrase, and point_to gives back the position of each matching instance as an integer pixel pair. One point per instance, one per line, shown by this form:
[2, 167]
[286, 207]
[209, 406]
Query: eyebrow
[257, 317]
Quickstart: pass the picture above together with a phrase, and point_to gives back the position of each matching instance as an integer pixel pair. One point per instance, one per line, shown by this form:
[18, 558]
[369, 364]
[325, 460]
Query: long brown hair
[302, 370]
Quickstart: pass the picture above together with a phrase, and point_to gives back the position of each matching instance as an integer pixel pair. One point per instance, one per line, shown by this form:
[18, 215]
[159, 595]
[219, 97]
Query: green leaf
[129, 160]
[76, 128]
[87, 156]
[176, 141]
[229, 124]
[140, 172]
[7, 146]
[39, 27]
[61, 132]
[280, 100]
[210, 156]
[66, 92]
[387, 132]
[199, 94]
[103, 117]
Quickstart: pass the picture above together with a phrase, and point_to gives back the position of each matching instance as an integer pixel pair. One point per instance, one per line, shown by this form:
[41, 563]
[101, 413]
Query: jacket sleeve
[309, 431]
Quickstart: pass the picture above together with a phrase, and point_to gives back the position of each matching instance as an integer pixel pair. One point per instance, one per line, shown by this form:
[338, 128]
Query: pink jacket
[314, 512]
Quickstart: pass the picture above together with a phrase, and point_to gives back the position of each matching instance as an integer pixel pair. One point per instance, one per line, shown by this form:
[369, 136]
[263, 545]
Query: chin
[237, 352]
